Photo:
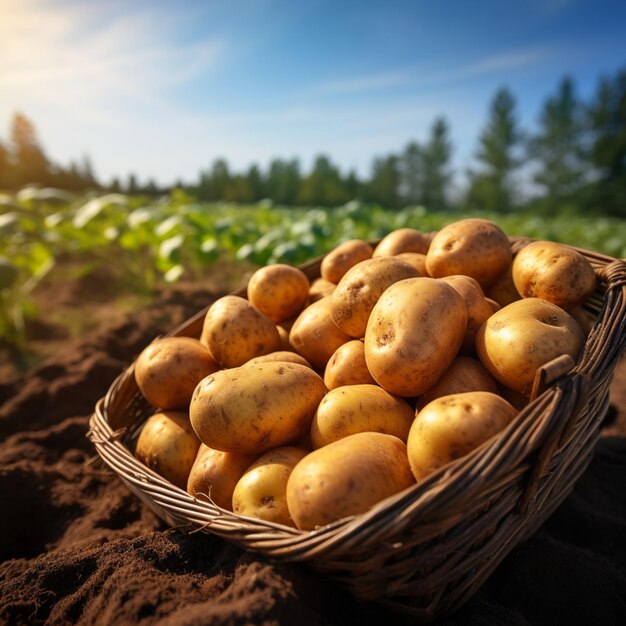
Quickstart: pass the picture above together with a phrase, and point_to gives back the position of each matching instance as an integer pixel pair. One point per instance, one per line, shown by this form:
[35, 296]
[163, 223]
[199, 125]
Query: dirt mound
[77, 548]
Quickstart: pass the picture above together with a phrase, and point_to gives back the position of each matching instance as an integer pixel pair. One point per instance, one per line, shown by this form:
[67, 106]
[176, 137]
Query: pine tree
[30, 162]
[384, 186]
[412, 173]
[435, 159]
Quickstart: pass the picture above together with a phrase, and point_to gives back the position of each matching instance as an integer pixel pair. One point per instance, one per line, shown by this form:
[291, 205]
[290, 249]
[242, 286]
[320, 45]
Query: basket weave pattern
[426, 550]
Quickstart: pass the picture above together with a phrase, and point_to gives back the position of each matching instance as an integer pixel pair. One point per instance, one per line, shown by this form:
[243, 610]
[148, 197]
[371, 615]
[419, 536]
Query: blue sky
[163, 88]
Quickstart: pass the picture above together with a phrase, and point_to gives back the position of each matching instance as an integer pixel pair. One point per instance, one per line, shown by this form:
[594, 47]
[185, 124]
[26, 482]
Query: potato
[413, 335]
[320, 288]
[315, 336]
[503, 290]
[347, 366]
[556, 273]
[494, 305]
[417, 260]
[283, 333]
[475, 247]
[357, 409]
[347, 478]
[169, 369]
[585, 318]
[215, 474]
[452, 426]
[402, 240]
[522, 337]
[358, 291]
[255, 408]
[281, 356]
[347, 254]
[235, 331]
[261, 491]
[168, 445]
[465, 374]
[478, 309]
[279, 291]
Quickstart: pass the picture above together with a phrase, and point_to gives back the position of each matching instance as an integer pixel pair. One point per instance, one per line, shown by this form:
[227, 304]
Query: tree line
[576, 159]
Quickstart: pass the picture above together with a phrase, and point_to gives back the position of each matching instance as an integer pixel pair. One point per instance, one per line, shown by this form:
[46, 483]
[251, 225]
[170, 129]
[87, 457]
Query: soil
[76, 547]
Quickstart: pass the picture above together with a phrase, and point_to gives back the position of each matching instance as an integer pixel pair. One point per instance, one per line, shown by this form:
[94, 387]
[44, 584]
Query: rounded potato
[168, 445]
[556, 273]
[522, 337]
[315, 336]
[255, 408]
[452, 426]
[358, 291]
[281, 356]
[474, 247]
[585, 318]
[279, 291]
[215, 474]
[347, 254]
[346, 478]
[417, 260]
[403, 240]
[503, 290]
[413, 335]
[235, 331]
[320, 288]
[347, 366]
[465, 374]
[262, 490]
[355, 409]
[168, 370]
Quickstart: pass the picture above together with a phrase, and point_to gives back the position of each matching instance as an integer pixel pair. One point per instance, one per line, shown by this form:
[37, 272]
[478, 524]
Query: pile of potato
[306, 403]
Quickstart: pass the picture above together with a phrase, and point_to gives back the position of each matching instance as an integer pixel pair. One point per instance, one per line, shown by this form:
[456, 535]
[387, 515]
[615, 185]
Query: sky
[163, 88]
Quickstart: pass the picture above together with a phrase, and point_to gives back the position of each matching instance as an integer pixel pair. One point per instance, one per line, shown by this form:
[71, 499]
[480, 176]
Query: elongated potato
[413, 335]
[320, 288]
[255, 408]
[357, 409]
[261, 491]
[417, 260]
[347, 254]
[281, 356]
[402, 240]
[347, 478]
[347, 366]
[215, 474]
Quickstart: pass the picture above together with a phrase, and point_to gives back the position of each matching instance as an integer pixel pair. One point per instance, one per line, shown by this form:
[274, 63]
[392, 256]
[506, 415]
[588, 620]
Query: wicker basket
[426, 550]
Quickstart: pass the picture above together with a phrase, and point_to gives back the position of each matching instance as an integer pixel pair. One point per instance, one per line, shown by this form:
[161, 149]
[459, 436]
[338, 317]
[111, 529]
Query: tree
[385, 183]
[283, 181]
[492, 188]
[255, 183]
[557, 147]
[606, 118]
[323, 186]
[133, 186]
[6, 173]
[30, 162]
[435, 158]
[411, 173]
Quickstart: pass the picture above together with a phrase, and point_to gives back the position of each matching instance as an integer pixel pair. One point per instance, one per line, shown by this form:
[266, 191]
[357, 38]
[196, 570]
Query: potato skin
[475, 247]
[281, 356]
[315, 336]
[522, 337]
[452, 426]
[168, 370]
[355, 409]
[413, 335]
[255, 408]
[346, 478]
[556, 273]
[402, 240]
[261, 491]
[320, 288]
[168, 445]
[235, 331]
[503, 290]
[215, 474]
[347, 254]
[279, 291]
[417, 260]
[359, 289]
[347, 366]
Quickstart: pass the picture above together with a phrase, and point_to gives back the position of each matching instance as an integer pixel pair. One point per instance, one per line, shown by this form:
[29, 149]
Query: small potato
[475, 247]
[403, 240]
[452, 426]
[465, 374]
[478, 309]
[315, 336]
[347, 366]
[261, 491]
[235, 331]
[347, 254]
[556, 273]
[215, 474]
[417, 260]
[357, 409]
[347, 478]
[320, 288]
[522, 337]
[413, 335]
[279, 291]
[503, 290]
[282, 356]
[585, 318]
[168, 445]
[358, 291]
[283, 333]
[255, 408]
[168, 370]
